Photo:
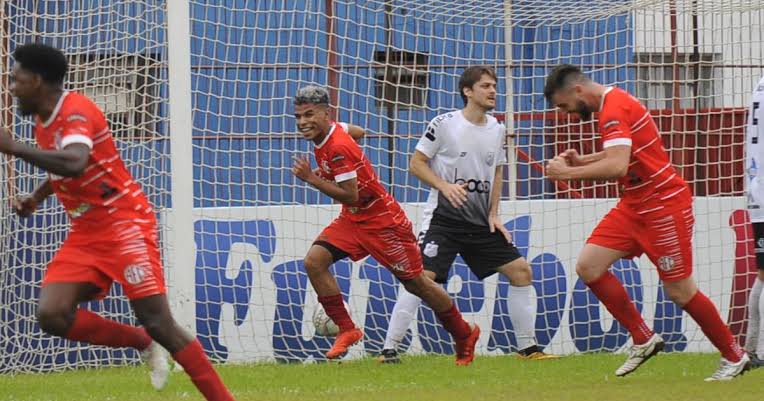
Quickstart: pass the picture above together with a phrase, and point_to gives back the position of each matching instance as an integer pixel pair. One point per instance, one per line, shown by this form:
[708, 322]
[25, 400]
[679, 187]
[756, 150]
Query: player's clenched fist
[24, 206]
[572, 157]
[557, 168]
[456, 194]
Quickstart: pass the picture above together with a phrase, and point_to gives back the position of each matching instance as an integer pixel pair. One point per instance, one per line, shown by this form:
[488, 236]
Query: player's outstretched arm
[614, 163]
[67, 162]
[343, 192]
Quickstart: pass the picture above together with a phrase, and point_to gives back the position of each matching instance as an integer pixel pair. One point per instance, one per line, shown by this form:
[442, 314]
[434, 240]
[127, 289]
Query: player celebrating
[113, 235]
[371, 223]
[754, 144]
[654, 216]
[464, 150]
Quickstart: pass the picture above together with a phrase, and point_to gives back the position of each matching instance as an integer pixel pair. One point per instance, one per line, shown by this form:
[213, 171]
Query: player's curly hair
[471, 76]
[560, 77]
[47, 61]
[311, 94]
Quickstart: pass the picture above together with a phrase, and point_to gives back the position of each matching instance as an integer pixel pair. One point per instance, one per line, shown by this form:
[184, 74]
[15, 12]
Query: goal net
[391, 66]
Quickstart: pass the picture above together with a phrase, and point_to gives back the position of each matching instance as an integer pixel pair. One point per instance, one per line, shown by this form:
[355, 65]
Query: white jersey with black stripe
[465, 153]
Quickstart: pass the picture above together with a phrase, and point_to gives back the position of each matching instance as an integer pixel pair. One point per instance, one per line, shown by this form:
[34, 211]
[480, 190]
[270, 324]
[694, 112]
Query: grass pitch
[577, 378]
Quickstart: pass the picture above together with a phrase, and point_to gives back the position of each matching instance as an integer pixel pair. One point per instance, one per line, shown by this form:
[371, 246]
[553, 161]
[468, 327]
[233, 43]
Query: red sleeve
[77, 128]
[614, 126]
[342, 162]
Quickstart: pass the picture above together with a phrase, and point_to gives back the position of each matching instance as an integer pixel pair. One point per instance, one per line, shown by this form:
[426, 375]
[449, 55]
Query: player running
[654, 216]
[371, 223]
[113, 234]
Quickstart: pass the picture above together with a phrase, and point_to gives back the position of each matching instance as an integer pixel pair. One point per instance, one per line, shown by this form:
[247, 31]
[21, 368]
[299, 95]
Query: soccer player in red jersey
[654, 216]
[113, 234]
[371, 223]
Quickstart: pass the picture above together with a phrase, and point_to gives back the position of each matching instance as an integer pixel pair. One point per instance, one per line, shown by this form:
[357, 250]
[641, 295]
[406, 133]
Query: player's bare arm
[27, 204]
[455, 193]
[356, 132]
[344, 192]
[67, 162]
[613, 164]
[575, 159]
[494, 221]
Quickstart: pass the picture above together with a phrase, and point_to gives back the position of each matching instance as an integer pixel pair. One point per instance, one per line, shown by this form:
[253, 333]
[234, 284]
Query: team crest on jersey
[760, 244]
[489, 158]
[666, 263]
[134, 274]
[431, 249]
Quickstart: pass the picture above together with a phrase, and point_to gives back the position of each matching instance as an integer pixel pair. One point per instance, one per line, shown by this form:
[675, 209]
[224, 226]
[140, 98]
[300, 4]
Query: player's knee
[54, 321]
[314, 264]
[587, 272]
[157, 327]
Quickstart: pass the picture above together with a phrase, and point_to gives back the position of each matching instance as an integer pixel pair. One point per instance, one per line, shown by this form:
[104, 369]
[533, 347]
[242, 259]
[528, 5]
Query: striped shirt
[105, 193]
[340, 159]
[651, 184]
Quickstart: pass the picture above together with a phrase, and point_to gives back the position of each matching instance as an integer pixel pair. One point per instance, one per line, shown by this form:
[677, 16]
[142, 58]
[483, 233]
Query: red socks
[203, 375]
[91, 328]
[335, 309]
[453, 322]
[611, 293]
[704, 312]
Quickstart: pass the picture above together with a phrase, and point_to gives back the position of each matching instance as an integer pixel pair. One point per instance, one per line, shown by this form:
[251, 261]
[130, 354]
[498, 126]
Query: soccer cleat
[155, 358]
[344, 340]
[639, 354]
[728, 370]
[465, 349]
[389, 356]
[537, 356]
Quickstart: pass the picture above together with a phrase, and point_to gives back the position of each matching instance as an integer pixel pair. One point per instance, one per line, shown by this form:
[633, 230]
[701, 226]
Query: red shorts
[394, 246]
[126, 252]
[666, 239]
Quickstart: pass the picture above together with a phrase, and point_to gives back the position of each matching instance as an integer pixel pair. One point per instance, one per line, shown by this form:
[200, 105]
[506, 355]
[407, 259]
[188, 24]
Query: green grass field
[576, 378]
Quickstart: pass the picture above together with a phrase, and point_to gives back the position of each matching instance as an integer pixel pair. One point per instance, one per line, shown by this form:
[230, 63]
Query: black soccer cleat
[389, 356]
[755, 361]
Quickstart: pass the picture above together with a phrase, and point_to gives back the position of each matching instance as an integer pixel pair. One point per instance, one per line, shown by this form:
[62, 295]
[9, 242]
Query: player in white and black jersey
[754, 146]
[461, 156]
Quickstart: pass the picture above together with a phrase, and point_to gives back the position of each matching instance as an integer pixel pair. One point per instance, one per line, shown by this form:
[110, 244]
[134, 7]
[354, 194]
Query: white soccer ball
[324, 325]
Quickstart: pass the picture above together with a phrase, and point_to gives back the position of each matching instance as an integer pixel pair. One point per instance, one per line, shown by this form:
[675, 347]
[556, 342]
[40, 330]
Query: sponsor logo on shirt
[79, 210]
[473, 185]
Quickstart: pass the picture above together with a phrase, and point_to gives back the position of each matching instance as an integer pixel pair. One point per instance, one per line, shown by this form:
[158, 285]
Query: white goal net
[235, 271]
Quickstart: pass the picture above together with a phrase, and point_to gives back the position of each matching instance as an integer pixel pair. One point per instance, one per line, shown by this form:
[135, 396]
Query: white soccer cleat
[639, 354]
[729, 370]
[155, 358]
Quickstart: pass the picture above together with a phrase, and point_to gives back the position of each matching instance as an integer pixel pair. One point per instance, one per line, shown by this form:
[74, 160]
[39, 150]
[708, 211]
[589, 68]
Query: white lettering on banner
[557, 227]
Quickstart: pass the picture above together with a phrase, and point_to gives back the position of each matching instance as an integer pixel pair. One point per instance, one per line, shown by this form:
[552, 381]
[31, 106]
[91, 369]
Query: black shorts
[484, 252]
[758, 244]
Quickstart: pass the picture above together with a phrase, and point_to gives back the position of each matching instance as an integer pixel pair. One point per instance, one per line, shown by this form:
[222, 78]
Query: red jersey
[105, 192]
[340, 159]
[651, 183]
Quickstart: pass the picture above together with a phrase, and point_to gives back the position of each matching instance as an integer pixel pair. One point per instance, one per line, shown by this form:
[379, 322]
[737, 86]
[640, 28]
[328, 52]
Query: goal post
[199, 95]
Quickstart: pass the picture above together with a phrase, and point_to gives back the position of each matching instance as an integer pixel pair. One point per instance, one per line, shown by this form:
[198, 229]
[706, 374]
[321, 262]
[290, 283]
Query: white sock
[404, 313]
[522, 312]
[754, 320]
[760, 345]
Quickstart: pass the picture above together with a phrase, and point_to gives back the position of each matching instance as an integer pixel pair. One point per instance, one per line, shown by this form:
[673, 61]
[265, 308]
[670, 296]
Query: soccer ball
[323, 323]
